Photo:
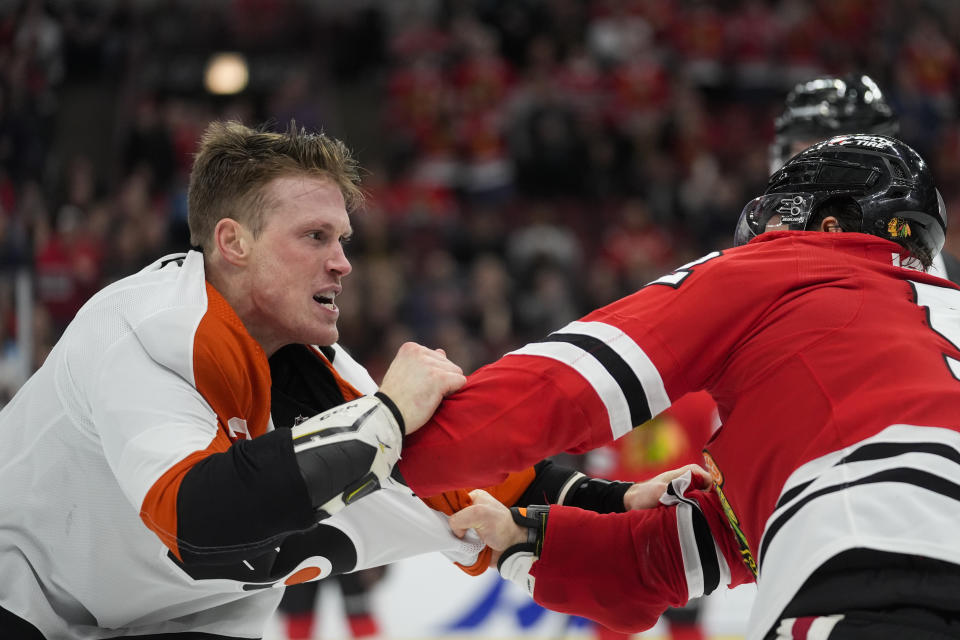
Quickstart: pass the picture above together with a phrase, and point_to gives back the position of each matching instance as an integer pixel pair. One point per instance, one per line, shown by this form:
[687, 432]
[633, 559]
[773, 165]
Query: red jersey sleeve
[591, 381]
[624, 569]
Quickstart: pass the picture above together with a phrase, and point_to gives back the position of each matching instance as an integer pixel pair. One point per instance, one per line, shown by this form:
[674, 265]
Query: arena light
[226, 73]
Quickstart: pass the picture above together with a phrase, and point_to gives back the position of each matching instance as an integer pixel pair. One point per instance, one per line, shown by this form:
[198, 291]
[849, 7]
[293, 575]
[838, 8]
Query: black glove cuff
[534, 518]
[388, 403]
[522, 547]
[600, 496]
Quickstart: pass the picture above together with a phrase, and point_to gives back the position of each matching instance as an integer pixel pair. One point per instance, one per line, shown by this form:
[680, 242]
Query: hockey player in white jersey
[183, 454]
[143, 487]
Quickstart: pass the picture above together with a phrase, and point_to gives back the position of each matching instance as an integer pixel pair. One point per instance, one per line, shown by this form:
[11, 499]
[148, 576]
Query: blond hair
[235, 162]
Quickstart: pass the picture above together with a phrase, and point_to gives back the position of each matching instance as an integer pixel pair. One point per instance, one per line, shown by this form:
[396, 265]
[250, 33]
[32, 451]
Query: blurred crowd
[527, 160]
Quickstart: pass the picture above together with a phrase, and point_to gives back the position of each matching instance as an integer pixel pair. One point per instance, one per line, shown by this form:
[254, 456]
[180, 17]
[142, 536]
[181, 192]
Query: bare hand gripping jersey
[837, 376]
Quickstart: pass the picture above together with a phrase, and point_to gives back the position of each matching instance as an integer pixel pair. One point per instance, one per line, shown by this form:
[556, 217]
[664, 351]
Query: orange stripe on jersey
[159, 509]
[231, 369]
[347, 390]
[507, 492]
[231, 372]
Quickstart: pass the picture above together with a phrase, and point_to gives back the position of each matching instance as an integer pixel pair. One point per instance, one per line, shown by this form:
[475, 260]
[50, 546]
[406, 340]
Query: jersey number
[943, 313]
[676, 278]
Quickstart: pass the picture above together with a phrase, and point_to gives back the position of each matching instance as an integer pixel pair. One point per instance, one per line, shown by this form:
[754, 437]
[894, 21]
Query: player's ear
[830, 224]
[232, 240]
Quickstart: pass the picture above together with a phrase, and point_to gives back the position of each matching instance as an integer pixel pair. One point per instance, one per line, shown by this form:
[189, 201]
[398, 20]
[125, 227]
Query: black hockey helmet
[828, 106]
[888, 180]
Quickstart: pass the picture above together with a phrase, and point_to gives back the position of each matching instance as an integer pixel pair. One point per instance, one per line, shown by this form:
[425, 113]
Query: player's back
[840, 398]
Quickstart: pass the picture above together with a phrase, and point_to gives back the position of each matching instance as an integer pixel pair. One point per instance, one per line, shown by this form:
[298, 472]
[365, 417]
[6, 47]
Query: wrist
[517, 560]
[532, 521]
[394, 410]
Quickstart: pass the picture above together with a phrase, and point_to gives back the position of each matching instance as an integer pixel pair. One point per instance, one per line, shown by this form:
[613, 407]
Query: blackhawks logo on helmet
[898, 228]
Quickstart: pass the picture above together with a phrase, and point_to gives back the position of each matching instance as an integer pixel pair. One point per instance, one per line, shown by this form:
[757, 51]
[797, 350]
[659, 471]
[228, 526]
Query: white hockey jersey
[130, 499]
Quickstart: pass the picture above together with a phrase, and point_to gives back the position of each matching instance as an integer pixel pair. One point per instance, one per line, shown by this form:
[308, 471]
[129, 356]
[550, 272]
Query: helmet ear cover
[797, 211]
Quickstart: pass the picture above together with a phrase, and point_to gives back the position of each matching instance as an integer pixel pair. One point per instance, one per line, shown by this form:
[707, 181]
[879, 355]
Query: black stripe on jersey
[790, 494]
[177, 259]
[302, 386]
[268, 507]
[260, 571]
[709, 562]
[880, 451]
[630, 385]
[902, 475]
[909, 596]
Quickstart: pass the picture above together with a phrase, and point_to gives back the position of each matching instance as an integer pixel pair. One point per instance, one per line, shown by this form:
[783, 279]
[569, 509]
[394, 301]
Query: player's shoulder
[699, 268]
[177, 318]
[147, 306]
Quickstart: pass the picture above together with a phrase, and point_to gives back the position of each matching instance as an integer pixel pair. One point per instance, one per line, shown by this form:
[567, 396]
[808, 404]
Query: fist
[417, 380]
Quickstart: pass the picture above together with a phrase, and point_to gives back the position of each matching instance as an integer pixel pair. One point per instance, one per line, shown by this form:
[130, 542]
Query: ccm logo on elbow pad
[347, 452]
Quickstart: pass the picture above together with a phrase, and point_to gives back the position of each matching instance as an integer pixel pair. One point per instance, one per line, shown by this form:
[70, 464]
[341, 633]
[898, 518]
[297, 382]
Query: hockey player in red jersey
[835, 365]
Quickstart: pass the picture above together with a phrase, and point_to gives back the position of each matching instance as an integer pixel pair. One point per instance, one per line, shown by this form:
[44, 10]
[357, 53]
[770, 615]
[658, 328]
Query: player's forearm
[625, 569]
[233, 504]
[557, 484]
[508, 417]
[617, 569]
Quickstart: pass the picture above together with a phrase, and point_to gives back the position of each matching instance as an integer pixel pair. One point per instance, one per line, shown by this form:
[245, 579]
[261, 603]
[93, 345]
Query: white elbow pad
[347, 452]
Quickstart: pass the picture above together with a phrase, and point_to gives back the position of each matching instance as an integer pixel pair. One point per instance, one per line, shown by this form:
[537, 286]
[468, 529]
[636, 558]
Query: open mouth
[326, 301]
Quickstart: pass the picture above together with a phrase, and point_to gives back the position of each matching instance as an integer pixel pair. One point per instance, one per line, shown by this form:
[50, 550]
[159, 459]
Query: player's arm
[346, 452]
[556, 484]
[213, 501]
[550, 483]
[622, 570]
[590, 381]
[544, 483]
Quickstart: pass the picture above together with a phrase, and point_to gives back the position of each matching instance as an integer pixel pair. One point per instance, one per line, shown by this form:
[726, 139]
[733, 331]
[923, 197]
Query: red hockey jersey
[835, 371]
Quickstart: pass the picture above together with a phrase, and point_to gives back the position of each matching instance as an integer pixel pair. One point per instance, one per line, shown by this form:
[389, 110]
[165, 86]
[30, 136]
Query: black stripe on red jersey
[909, 596]
[879, 451]
[904, 475]
[706, 549]
[630, 385]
